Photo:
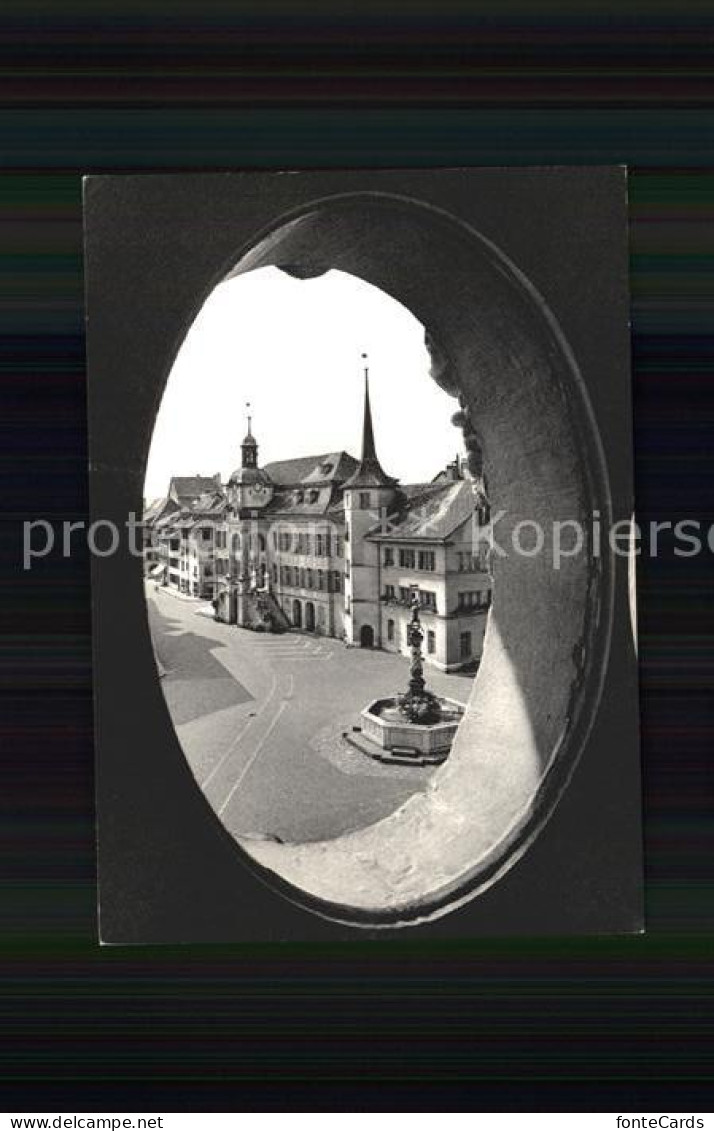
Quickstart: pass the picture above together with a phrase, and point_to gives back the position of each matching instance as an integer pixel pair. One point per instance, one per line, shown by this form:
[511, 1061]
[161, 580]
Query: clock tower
[249, 487]
[249, 492]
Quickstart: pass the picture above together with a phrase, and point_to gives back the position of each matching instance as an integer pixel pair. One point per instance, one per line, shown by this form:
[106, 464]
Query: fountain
[417, 727]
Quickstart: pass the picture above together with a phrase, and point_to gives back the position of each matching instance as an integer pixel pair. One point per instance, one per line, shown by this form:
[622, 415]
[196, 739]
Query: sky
[292, 348]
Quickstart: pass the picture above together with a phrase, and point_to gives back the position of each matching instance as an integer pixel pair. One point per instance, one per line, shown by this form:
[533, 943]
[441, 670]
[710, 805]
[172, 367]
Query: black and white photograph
[365, 651]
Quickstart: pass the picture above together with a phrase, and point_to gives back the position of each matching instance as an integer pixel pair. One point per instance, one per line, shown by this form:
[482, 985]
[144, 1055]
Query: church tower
[369, 495]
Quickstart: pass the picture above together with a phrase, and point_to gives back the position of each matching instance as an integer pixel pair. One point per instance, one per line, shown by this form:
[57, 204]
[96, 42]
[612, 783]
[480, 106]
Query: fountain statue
[418, 705]
[417, 726]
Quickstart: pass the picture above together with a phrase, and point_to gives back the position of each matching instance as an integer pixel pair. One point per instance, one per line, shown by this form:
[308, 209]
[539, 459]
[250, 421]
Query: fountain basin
[397, 740]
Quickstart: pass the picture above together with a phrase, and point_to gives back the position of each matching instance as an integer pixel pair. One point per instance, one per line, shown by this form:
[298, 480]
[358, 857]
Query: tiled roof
[157, 510]
[290, 472]
[300, 501]
[431, 511]
[212, 502]
[168, 521]
[188, 487]
[333, 468]
[152, 509]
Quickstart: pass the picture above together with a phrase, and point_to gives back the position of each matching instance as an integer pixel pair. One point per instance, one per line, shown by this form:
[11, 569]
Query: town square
[261, 719]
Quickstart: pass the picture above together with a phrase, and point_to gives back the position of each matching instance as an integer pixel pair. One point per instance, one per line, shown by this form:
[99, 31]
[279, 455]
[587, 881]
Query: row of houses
[332, 545]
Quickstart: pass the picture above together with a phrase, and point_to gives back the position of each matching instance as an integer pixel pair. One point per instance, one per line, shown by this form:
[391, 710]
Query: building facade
[180, 536]
[334, 546]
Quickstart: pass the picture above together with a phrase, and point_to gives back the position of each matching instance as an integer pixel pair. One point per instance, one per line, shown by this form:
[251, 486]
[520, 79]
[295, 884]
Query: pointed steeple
[368, 448]
[370, 472]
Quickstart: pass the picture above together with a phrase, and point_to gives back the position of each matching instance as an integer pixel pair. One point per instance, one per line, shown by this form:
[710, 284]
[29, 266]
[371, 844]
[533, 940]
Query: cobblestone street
[260, 720]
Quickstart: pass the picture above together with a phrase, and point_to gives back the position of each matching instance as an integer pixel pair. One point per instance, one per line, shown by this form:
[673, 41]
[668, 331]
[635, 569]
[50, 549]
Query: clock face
[258, 488]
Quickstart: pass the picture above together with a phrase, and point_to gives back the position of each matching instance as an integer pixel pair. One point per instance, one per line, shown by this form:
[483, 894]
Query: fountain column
[418, 705]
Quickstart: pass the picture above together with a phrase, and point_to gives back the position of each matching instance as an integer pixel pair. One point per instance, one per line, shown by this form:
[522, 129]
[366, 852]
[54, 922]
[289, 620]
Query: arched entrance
[297, 614]
[310, 616]
[366, 636]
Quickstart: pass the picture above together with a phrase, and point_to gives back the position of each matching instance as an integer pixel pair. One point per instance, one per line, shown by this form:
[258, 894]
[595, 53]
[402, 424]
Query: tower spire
[369, 450]
[370, 472]
[249, 447]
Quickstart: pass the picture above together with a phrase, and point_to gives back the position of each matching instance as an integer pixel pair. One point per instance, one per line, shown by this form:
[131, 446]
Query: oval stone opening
[497, 348]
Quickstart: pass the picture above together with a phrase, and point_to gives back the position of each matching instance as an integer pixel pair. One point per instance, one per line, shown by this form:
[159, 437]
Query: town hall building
[331, 545]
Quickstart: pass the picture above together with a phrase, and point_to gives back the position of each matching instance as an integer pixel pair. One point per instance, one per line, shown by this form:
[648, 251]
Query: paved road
[260, 720]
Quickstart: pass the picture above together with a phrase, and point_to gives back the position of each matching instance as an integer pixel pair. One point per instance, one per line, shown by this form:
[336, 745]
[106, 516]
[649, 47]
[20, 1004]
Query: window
[320, 579]
[406, 559]
[336, 581]
[427, 600]
[431, 643]
[319, 545]
[405, 594]
[427, 559]
[313, 496]
[308, 543]
[471, 563]
[328, 549]
[309, 579]
[390, 631]
[364, 500]
[261, 543]
[465, 645]
[477, 599]
[275, 573]
[388, 556]
[302, 578]
[389, 592]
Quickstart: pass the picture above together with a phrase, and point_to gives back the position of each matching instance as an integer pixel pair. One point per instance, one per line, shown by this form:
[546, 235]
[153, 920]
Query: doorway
[366, 636]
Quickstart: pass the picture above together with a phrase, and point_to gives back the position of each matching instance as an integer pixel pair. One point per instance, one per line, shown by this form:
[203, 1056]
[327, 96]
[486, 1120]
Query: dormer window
[325, 468]
[313, 496]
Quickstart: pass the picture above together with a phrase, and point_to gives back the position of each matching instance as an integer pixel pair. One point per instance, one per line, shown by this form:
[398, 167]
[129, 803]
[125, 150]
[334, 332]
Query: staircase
[264, 614]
